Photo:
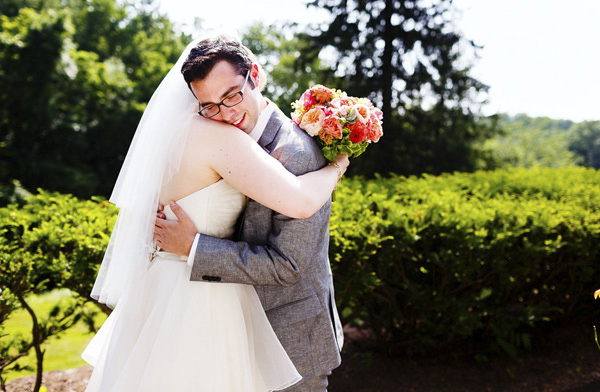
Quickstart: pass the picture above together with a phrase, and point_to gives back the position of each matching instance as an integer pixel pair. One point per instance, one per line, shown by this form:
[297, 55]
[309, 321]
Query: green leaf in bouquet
[329, 153]
[343, 149]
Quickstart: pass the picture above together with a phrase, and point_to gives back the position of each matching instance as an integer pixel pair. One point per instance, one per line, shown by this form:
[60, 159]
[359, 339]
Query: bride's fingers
[343, 161]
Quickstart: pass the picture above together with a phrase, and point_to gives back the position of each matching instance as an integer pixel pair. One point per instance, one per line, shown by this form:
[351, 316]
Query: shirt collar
[259, 128]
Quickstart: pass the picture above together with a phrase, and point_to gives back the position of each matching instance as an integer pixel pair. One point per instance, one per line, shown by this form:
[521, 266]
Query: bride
[167, 333]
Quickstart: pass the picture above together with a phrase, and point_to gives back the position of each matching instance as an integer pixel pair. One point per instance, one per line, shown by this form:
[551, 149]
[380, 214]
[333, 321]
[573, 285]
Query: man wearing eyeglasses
[231, 104]
[285, 259]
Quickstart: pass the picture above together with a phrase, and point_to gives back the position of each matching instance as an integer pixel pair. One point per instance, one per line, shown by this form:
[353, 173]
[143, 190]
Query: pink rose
[297, 117]
[378, 113]
[309, 100]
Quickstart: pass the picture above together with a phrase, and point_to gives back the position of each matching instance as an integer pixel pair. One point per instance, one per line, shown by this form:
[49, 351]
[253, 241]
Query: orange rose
[332, 126]
[321, 93]
[312, 121]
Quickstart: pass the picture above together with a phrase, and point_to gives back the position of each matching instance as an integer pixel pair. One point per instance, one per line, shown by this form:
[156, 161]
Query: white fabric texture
[152, 160]
[170, 334]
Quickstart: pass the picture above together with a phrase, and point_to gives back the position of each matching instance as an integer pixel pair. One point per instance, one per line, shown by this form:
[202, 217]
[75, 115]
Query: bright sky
[540, 57]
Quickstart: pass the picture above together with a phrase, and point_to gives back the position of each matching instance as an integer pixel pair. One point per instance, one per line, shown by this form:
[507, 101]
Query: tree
[74, 80]
[532, 141]
[584, 139]
[277, 48]
[405, 56]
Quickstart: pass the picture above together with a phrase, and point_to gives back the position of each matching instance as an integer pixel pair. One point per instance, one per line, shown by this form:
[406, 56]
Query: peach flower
[362, 113]
[332, 126]
[375, 131]
[312, 121]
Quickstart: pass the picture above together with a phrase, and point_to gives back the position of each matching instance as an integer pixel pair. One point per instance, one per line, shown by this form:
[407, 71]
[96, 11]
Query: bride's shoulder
[203, 131]
[202, 124]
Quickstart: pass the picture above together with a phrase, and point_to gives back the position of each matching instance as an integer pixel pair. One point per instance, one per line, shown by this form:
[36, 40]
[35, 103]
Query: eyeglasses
[229, 101]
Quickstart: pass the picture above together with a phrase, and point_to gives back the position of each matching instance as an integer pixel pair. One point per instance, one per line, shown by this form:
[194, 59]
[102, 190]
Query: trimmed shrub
[66, 236]
[482, 260]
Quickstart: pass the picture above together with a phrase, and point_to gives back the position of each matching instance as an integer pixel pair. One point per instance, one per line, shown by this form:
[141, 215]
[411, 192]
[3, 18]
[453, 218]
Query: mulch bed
[569, 362]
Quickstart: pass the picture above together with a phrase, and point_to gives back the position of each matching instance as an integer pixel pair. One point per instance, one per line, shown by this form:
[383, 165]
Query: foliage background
[75, 77]
[422, 257]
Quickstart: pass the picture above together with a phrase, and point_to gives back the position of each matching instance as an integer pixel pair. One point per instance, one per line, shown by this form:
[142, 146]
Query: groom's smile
[238, 121]
[221, 82]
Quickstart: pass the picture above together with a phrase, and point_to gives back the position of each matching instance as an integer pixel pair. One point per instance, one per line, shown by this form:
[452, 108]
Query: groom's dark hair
[210, 51]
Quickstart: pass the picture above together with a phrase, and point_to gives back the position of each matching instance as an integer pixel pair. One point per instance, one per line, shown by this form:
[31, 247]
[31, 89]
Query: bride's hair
[210, 51]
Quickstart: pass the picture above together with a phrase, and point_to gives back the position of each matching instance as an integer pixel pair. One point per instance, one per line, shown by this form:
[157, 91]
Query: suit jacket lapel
[266, 141]
[271, 130]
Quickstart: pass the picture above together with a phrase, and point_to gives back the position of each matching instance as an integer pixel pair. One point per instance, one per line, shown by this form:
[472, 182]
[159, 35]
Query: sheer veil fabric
[152, 160]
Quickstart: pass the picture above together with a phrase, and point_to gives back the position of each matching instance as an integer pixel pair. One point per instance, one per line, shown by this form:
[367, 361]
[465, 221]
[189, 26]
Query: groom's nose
[228, 114]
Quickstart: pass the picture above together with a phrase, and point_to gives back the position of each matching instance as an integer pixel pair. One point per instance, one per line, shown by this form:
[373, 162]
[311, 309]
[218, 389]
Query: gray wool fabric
[285, 259]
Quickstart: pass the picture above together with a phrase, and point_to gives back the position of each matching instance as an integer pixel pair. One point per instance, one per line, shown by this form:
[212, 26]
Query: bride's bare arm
[248, 168]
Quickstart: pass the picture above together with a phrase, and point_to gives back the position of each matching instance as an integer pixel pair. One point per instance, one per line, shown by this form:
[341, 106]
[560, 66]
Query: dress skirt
[170, 334]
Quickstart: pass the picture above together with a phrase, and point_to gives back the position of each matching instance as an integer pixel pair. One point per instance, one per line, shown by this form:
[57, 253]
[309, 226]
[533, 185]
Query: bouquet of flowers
[340, 124]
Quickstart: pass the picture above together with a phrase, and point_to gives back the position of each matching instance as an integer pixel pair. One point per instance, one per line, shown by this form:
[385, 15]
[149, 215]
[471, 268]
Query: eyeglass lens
[228, 101]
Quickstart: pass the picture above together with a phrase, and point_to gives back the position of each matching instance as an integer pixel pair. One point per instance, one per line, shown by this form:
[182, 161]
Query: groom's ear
[255, 75]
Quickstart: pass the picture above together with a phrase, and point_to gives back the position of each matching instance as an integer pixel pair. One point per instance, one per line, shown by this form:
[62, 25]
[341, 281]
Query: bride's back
[195, 171]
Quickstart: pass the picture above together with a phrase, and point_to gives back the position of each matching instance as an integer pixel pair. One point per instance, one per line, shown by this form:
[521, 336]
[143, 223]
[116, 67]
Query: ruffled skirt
[170, 334]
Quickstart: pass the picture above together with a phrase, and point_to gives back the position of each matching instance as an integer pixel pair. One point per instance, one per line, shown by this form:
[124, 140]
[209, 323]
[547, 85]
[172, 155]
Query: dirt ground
[569, 362]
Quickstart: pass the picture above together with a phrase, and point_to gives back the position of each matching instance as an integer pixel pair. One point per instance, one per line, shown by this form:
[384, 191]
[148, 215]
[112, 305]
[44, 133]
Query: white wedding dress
[170, 334]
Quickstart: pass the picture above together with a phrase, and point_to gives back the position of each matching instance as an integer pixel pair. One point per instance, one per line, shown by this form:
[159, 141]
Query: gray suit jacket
[285, 259]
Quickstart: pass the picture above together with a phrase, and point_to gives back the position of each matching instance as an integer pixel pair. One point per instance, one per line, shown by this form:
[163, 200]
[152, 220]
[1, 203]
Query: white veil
[152, 160]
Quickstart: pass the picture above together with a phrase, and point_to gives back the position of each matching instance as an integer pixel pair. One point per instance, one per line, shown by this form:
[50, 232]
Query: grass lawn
[63, 352]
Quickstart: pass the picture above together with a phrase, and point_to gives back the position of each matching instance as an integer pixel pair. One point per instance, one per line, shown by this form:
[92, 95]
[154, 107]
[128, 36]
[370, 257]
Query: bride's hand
[159, 212]
[343, 161]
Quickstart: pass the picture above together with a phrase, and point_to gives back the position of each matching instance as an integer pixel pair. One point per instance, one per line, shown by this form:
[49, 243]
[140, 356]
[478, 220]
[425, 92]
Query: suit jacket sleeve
[286, 254]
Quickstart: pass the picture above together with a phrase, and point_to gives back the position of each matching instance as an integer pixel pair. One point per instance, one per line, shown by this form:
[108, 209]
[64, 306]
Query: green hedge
[54, 239]
[482, 260]
[478, 260]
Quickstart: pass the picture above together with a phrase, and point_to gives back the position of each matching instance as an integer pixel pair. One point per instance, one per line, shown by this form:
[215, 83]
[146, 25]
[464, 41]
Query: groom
[285, 259]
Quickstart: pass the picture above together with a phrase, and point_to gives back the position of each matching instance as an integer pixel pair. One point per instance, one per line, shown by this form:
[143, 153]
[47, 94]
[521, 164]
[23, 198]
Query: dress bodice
[213, 209]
